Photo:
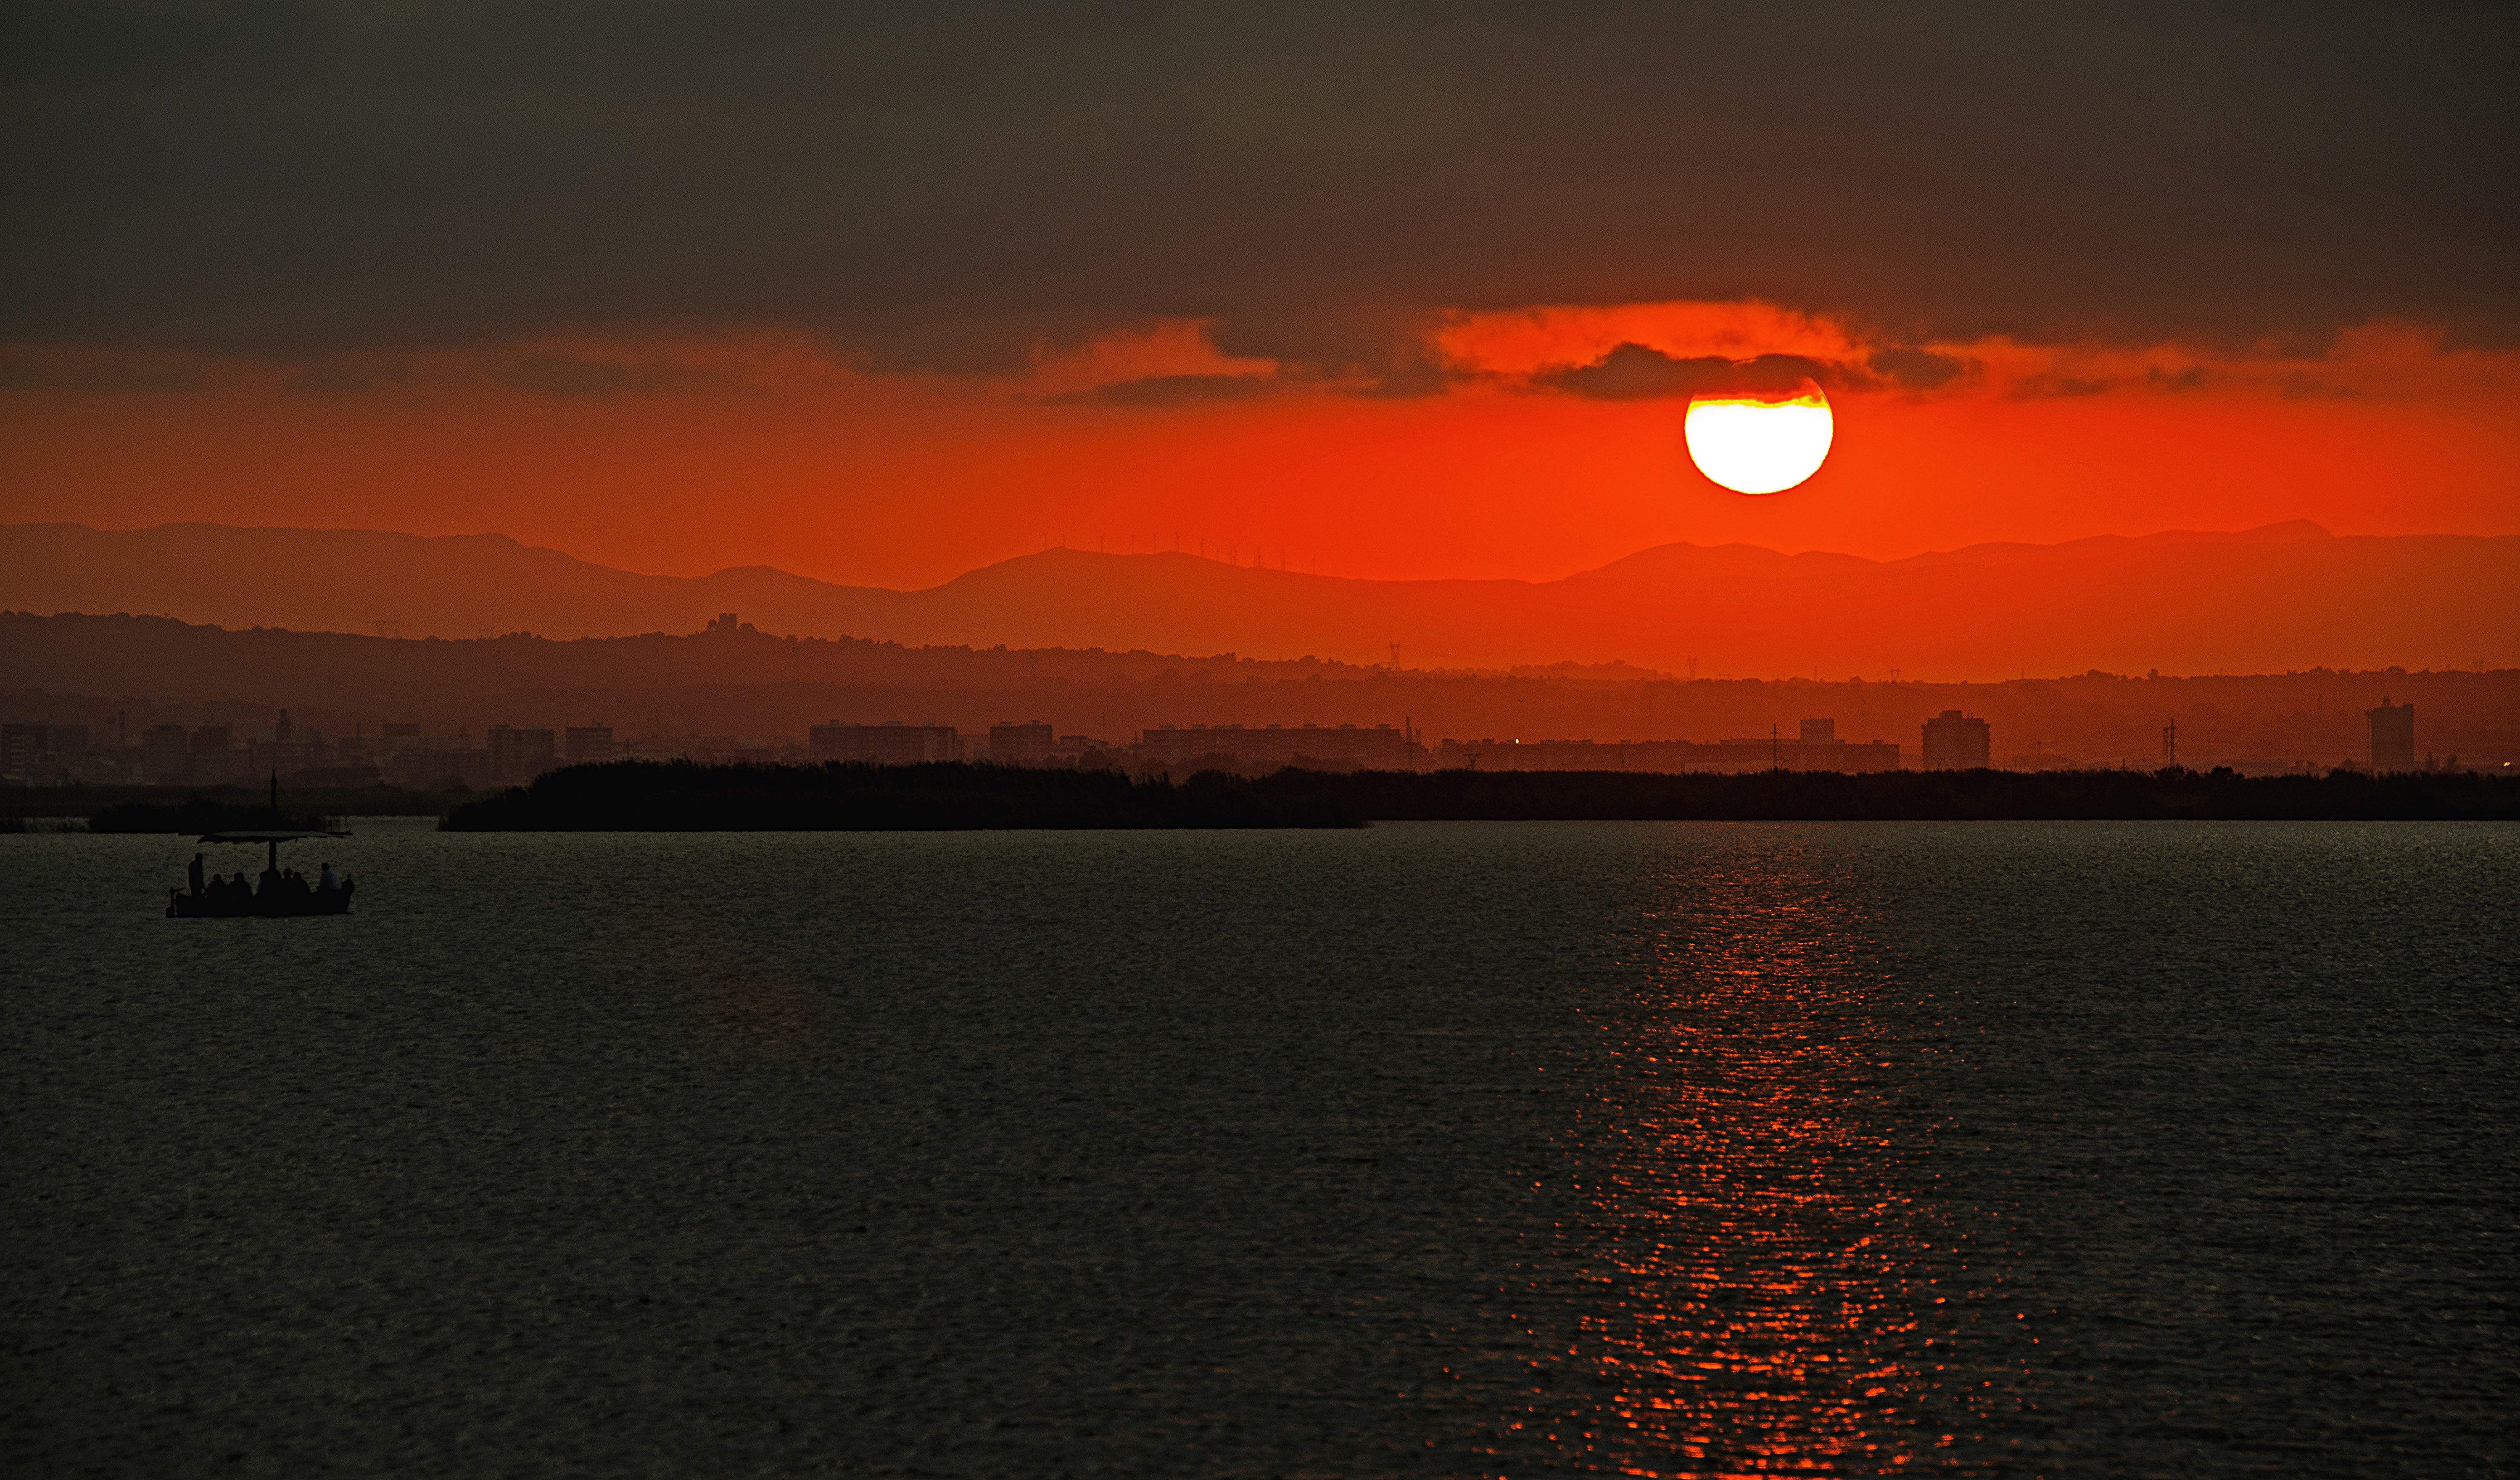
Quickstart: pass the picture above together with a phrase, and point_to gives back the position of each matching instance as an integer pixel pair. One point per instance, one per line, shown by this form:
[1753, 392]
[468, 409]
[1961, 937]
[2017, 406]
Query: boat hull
[182, 906]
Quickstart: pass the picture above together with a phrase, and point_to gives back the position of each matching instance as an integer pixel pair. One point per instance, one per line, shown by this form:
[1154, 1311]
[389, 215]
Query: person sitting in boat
[193, 875]
[328, 880]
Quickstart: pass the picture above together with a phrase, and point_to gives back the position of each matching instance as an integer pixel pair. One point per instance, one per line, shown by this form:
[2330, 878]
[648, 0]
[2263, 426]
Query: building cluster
[213, 754]
[1814, 746]
[50, 753]
[402, 754]
[1268, 748]
[41, 750]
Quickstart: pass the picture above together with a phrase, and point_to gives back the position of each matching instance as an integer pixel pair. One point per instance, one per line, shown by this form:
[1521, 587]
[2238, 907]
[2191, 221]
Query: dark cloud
[346, 375]
[2302, 387]
[1171, 391]
[1917, 369]
[603, 380]
[954, 187]
[1637, 372]
[33, 368]
[2044, 385]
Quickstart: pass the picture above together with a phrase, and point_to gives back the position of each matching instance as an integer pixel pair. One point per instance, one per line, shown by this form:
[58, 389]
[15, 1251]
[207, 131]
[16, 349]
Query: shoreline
[958, 796]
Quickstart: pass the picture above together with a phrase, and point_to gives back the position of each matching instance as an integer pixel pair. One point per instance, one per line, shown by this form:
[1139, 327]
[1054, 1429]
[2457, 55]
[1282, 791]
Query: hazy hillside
[2285, 597]
[138, 671]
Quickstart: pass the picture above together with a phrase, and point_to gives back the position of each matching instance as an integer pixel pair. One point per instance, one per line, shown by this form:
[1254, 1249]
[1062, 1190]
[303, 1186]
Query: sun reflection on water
[1767, 1284]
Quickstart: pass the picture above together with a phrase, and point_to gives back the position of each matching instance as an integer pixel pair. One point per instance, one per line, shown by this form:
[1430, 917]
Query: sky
[879, 295]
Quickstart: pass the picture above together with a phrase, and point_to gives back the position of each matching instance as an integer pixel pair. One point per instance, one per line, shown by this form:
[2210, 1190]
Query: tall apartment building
[166, 753]
[1025, 744]
[1957, 741]
[519, 755]
[214, 755]
[2393, 737]
[31, 750]
[22, 750]
[590, 742]
[891, 744]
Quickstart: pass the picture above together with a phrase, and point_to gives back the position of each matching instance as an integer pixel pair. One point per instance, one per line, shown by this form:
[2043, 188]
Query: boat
[278, 895]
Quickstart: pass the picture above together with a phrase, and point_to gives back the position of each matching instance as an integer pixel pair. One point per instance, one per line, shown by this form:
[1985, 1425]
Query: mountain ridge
[2277, 596]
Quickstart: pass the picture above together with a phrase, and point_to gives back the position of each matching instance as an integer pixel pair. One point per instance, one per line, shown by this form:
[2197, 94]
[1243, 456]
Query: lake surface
[1512, 1149]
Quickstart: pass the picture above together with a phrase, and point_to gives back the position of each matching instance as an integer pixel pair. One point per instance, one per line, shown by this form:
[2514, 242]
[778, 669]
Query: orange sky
[686, 455]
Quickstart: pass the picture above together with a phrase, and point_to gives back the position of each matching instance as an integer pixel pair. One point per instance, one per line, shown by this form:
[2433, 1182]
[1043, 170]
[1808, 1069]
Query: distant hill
[2283, 597]
[120, 675]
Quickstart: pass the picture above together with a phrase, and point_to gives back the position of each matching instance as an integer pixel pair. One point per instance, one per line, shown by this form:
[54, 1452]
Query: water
[1435, 1150]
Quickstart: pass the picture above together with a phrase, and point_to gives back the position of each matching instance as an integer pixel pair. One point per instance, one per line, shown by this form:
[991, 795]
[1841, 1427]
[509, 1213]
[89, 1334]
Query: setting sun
[1752, 444]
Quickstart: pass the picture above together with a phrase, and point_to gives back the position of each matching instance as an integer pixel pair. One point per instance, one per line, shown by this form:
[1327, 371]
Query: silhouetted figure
[193, 875]
[328, 880]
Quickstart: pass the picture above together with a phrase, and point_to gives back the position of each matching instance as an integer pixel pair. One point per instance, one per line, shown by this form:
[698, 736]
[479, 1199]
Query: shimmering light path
[1774, 1284]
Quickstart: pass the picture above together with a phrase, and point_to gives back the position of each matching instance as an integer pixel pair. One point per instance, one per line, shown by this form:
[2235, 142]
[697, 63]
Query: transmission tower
[2170, 744]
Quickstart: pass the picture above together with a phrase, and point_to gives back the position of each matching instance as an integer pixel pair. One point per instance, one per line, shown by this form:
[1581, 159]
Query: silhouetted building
[1820, 731]
[285, 758]
[2393, 737]
[1026, 744]
[47, 752]
[22, 750]
[587, 742]
[466, 766]
[1270, 747]
[214, 754]
[165, 753]
[519, 755]
[400, 737]
[285, 750]
[892, 744]
[1957, 741]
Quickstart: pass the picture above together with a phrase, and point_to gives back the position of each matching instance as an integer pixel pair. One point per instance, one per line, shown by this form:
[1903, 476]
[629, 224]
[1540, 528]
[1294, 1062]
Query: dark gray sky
[944, 186]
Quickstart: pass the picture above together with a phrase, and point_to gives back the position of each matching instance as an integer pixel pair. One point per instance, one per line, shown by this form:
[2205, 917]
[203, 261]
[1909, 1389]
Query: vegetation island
[683, 797]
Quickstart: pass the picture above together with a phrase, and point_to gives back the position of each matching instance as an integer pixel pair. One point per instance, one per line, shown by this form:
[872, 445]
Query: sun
[1760, 444]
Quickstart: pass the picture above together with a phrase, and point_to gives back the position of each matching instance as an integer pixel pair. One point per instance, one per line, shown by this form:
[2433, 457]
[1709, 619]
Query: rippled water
[1482, 1149]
